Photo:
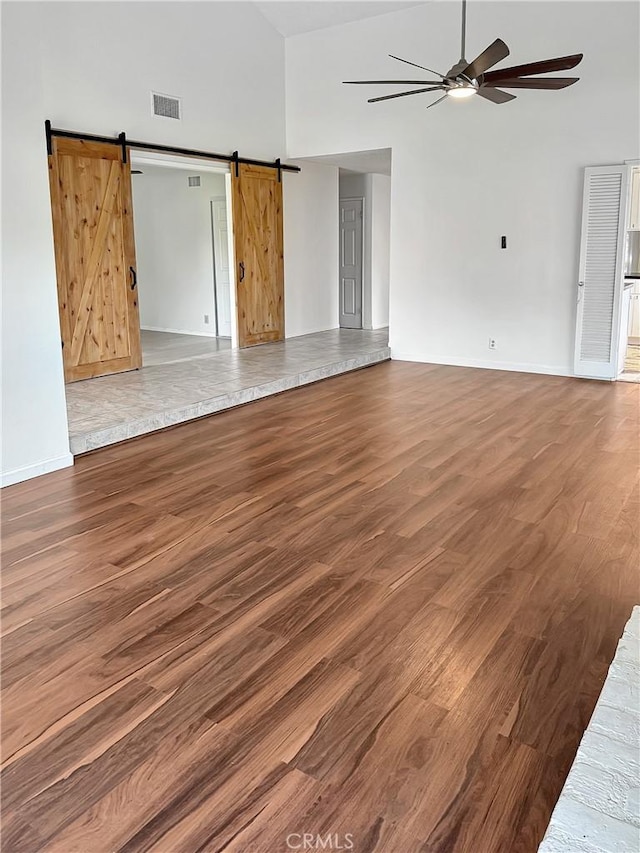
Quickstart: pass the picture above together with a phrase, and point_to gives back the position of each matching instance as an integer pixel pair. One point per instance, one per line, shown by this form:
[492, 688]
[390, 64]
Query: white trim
[583, 367]
[141, 157]
[18, 475]
[517, 367]
[217, 199]
[316, 331]
[233, 283]
[178, 331]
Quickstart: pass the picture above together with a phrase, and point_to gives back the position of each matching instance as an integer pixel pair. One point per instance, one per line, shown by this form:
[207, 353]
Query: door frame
[605, 371]
[362, 201]
[622, 336]
[212, 201]
[140, 156]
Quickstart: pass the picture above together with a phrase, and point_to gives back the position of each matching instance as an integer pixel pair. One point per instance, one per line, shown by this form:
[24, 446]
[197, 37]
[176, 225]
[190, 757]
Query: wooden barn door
[257, 225]
[95, 258]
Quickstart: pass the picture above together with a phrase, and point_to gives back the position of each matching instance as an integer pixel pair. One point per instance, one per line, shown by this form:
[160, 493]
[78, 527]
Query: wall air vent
[166, 106]
[194, 181]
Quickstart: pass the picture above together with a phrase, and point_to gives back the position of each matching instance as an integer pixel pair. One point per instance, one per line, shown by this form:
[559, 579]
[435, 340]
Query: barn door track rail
[124, 143]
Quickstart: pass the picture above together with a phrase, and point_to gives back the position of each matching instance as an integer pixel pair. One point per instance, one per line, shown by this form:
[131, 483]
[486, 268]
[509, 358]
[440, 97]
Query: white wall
[102, 60]
[376, 192]
[90, 67]
[379, 192]
[34, 416]
[466, 173]
[353, 184]
[310, 249]
[174, 248]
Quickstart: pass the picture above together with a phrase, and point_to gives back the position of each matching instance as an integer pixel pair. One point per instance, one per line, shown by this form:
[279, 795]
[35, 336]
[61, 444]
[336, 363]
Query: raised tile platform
[599, 808]
[110, 409]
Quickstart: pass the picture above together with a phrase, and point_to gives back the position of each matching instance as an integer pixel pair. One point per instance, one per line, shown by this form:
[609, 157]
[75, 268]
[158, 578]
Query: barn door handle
[134, 278]
[241, 271]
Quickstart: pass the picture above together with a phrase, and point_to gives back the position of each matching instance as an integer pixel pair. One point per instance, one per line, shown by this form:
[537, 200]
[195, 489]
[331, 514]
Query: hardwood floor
[381, 607]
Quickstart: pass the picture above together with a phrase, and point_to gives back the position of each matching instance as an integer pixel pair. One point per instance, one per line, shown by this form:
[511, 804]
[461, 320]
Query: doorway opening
[364, 241]
[181, 215]
[629, 364]
[608, 272]
[364, 238]
[629, 344]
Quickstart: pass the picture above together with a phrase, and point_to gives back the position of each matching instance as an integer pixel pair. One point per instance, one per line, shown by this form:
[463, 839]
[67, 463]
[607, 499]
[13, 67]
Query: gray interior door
[351, 263]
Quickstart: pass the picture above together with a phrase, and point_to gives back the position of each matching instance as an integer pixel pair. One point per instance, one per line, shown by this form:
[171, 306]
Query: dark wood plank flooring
[381, 607]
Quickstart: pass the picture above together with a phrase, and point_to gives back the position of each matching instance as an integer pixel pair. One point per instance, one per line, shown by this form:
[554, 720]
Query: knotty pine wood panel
[381, 605]
[95, 252]
[256, 195]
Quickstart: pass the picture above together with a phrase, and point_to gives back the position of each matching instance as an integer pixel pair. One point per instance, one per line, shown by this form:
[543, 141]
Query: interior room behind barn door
[182, 313]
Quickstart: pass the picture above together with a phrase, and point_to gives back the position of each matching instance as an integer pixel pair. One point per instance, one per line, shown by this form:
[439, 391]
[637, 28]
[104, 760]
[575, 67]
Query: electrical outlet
[492, 343]
[206, 318]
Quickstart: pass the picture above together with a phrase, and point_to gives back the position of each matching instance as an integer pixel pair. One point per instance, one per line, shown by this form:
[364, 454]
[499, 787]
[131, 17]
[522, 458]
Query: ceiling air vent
[166, 106]
[194, 181]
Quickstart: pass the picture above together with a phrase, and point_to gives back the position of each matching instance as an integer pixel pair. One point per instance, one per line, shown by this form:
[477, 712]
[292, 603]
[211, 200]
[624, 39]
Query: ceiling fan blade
[562, 63]
[393, 82]
[435, 103]
[533, 82]
[415, 65]
[495, 95]
[404, 94]
[488, 58]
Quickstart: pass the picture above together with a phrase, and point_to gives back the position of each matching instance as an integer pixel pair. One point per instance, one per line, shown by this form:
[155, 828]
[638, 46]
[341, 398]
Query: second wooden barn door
[95, 258]
[257, 225]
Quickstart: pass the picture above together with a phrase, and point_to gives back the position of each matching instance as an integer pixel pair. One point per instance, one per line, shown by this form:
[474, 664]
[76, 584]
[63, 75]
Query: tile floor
[631, 371]
[167, 347]
[110, 409]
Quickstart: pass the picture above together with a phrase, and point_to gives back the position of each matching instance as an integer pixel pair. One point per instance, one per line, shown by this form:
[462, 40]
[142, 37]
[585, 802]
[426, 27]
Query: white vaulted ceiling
[303, 16]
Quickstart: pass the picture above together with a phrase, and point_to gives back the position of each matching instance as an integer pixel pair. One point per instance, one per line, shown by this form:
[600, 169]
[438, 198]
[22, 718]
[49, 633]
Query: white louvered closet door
[600, 284]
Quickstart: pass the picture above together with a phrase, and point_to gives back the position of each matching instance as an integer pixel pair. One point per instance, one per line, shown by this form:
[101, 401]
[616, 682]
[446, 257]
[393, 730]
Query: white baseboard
[18, 475]
[516, 367]
[178, 331]
[299, 334]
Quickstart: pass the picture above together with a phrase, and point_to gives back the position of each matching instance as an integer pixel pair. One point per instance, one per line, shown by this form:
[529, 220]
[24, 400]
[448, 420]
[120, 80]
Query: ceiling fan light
[461, 91]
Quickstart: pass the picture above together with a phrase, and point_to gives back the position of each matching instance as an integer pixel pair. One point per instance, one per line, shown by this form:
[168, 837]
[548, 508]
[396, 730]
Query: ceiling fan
[465, 79]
